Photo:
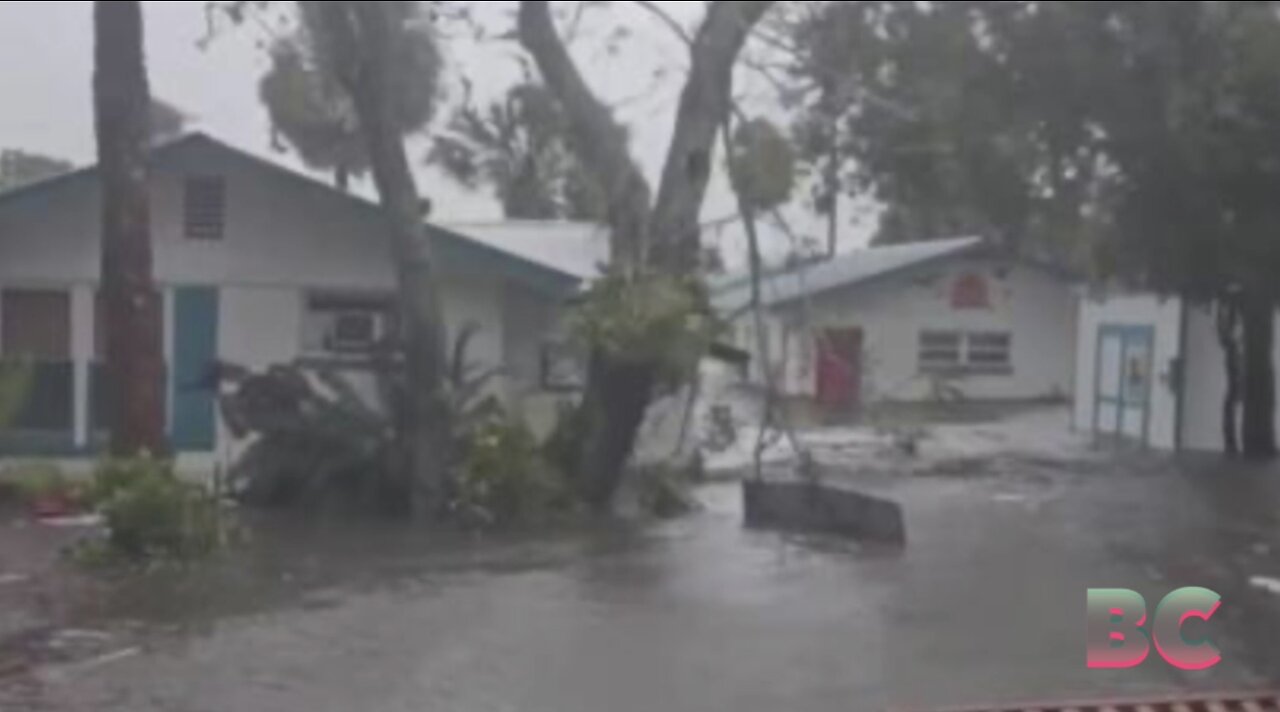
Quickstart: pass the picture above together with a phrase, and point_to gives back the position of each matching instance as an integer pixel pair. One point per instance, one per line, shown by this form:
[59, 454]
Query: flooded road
[985, 604]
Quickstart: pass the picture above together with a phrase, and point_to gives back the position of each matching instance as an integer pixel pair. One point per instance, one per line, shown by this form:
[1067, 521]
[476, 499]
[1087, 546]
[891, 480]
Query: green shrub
[319, 443]
[121, 475]
[153, 516]
[36, 480]
[15, 387]
[564, 445]
[505, 479]
[664, 320]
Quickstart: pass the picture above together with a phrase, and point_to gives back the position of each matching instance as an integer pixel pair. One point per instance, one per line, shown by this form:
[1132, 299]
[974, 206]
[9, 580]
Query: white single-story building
[907, 323]
[1152, 372]
[257, 265]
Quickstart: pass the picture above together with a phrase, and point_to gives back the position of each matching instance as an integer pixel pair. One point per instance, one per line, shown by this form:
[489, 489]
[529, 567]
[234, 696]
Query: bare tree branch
[666, 19]
[237, 12]
[720, 222]
[770, 40]
[597, 138]
[777, 39]
[575, 23]
[770, 74]
[704, 104]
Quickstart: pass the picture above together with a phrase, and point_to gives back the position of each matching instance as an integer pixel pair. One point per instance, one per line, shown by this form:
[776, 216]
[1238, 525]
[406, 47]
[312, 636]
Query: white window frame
[374, 305]
[989, 352]
[958, 353]
[940, 351]
[563, 367]
[203, 228]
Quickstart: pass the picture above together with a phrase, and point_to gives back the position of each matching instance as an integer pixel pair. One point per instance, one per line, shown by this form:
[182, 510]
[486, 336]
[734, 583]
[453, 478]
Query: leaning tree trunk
[1258, 314]
[662, 238]
[617, 392]
[613, 410]
[364, 38]
[135, 360]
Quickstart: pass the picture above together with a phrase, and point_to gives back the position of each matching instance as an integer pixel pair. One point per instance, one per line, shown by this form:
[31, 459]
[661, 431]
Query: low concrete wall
[811, 507]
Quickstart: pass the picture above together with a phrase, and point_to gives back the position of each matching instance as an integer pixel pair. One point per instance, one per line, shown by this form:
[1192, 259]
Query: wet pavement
[986, 603]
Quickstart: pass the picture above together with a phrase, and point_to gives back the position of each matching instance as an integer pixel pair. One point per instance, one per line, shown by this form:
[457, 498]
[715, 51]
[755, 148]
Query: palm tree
[135, 360]
[519, 145]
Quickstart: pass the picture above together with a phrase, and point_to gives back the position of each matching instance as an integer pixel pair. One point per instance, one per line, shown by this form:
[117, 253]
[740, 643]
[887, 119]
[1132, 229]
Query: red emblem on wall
[971, 291]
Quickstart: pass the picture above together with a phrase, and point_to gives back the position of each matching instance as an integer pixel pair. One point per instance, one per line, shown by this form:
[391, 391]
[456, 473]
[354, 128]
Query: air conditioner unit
[353, 332]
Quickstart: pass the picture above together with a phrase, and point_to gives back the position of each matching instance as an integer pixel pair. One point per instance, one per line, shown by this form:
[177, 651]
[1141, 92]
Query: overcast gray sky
[46, 67]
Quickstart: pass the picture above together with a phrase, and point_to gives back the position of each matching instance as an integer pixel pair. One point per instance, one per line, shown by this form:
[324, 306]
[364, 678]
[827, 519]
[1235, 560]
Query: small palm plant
[317, 439]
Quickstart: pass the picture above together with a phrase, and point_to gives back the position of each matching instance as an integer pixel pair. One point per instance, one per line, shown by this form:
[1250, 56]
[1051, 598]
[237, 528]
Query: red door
[839, 369]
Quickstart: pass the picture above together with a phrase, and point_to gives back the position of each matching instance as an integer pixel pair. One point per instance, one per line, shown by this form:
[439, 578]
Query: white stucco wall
[1204, 375]
[277, 234]
[283, 240]
[778, 336]
[259, 326]
[1165, 315]
[532, 322]
[1037, 308]
[52, 244]
[1207, 383]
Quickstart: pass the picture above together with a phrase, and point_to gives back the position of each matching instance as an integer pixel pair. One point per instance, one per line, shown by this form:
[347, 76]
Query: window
[204, 208]
[37, 324]
[563, 367]
[990, 352]
[1137, 375]
[345, 324]
[36, 329]
[974, 353]
[940, 351]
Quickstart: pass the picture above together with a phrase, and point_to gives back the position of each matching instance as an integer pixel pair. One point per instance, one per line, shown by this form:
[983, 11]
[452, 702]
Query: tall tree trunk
[1228, 322]
[646, 239]
[365, 39]
[614, 408]
[833, 194]
[135, 360]
[1258, 312]
[707, 98]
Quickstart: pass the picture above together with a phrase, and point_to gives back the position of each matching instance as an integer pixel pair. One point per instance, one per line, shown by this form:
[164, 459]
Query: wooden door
[195, 351]
[839, 369]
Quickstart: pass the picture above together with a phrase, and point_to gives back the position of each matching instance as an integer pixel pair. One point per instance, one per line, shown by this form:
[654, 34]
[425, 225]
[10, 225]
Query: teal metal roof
[733, 294]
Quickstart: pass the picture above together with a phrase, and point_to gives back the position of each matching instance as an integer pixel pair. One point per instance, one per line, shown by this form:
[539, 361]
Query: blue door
[1125, 376]
[195, 351]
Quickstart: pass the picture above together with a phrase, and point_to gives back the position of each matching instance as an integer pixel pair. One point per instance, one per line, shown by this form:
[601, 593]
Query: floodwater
[985, 604]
